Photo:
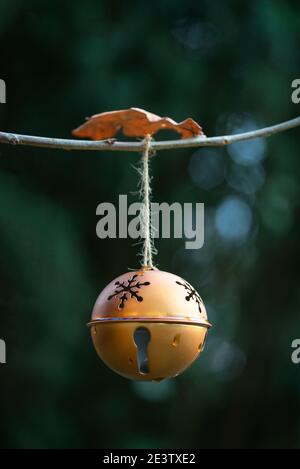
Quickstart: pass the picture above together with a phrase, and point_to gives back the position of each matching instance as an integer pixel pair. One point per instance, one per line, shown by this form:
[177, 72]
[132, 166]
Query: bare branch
[114, 145]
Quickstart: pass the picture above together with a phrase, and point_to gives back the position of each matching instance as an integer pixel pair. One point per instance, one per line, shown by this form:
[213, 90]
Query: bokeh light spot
[233, 219]
[206, 169]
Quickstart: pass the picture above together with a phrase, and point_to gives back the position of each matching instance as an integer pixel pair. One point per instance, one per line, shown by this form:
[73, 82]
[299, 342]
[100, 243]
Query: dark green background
[229, 65]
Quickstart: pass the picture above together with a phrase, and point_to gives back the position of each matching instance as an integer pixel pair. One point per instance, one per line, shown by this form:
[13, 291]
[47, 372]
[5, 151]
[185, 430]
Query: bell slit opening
[141, 339]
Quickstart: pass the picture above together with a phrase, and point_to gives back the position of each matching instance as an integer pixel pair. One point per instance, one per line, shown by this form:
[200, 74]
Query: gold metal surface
[162, 298]
[172, 348]
[159, 303]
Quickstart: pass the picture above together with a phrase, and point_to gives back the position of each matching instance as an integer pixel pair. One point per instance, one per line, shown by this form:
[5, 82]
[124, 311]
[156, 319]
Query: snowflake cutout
[130, 289]
[191, 293]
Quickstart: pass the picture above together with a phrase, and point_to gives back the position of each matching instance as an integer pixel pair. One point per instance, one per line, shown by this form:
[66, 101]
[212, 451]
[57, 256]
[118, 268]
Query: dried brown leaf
[133, 122]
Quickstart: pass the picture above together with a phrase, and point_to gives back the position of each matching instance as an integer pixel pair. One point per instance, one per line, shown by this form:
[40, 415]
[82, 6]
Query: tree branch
[114, 145]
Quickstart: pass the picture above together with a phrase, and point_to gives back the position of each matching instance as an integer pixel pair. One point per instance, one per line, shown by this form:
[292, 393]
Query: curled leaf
[133, 122]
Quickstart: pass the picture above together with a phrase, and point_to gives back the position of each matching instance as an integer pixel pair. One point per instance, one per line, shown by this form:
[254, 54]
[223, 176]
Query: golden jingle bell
[149, 325]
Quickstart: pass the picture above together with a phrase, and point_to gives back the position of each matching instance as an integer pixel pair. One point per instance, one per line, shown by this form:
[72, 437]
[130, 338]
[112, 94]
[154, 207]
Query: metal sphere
[149, 325]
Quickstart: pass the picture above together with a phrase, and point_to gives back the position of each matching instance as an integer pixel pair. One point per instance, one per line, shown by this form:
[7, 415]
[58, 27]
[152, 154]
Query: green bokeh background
[229, 65]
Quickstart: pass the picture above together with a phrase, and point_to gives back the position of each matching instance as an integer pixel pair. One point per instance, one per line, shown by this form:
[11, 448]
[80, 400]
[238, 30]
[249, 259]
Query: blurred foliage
[229, 65]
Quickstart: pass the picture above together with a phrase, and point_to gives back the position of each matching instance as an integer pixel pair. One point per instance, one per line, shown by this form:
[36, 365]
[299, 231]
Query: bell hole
[202, 344]
[130, 361]
[141, 339]
[94, 330]
[176, 340]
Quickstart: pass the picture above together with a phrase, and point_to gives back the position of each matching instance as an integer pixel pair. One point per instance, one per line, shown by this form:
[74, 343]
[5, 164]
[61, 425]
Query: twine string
[148, 249]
